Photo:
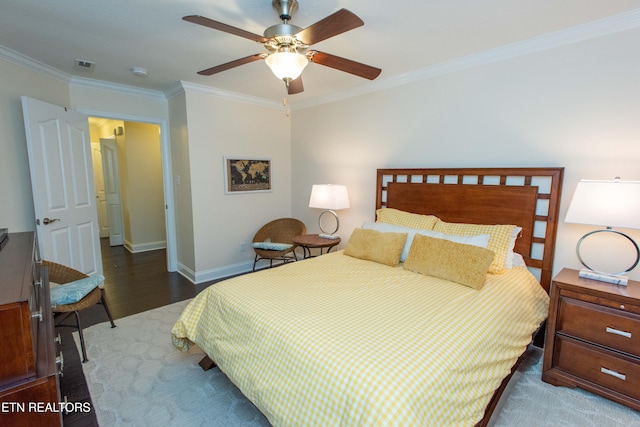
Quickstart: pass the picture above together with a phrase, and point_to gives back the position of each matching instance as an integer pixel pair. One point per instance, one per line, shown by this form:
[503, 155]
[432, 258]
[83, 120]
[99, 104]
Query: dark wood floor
[133, 283]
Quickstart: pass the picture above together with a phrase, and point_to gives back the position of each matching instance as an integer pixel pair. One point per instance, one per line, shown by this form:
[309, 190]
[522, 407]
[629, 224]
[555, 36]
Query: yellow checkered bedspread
[339, 341]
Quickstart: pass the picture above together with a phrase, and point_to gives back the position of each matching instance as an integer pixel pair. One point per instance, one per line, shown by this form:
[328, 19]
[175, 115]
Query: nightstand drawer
[618, 373]
[600, 325]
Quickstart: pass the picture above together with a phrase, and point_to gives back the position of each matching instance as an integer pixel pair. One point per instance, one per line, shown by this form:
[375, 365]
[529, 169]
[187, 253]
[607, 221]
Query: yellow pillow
[406, 219]
[373, 245]
[457, 262]
[499, 242]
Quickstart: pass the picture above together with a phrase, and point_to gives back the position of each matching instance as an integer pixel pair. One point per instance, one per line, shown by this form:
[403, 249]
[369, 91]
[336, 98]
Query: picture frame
[247, 175]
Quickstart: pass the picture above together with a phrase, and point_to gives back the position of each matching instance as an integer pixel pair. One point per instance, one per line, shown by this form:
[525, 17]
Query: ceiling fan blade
[295, 86]
[337, 23]
[201, 20]
[229, 65]
[346, 65]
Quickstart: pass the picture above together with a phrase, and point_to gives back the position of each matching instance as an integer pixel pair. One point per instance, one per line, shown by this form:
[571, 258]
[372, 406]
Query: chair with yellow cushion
[72, 291]
[274, 240]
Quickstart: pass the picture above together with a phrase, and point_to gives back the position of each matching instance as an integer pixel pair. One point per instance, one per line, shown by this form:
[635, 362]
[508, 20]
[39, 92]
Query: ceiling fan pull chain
[287, 111]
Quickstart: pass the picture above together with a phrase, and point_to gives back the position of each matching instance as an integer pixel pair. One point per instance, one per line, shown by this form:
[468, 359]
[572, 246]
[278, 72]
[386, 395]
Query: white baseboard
[145, 247]
[214, 273]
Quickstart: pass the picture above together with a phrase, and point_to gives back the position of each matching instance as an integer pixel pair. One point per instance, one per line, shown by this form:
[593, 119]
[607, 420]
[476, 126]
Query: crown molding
[175, 90]
[33, 65]
[183, 86]
[602, 27]
[115, 87]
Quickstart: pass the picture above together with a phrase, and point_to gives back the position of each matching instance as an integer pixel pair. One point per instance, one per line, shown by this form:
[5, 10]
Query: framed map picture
[247, 175]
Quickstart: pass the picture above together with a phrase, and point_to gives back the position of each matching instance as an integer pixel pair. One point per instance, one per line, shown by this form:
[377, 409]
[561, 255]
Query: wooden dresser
[29, 391]
[593, 337]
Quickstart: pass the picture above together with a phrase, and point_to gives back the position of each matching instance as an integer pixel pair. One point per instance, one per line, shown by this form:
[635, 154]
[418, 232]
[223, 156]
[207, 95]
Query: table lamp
[331, 198]
[613, 203]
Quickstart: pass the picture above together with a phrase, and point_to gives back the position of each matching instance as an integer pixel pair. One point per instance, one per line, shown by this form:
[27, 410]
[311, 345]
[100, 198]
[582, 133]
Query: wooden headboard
[527, 197]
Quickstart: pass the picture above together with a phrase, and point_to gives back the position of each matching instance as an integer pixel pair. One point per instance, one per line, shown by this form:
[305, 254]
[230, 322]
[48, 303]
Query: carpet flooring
[137, 378]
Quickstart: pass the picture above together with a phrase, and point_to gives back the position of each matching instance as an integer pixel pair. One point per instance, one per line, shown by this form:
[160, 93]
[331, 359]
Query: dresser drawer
[615, 303]
[18, 356]
[616, 372]
[605, 326]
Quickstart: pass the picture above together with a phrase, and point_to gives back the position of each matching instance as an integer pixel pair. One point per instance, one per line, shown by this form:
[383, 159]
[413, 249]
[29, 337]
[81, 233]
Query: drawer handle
[60, 361]
[618, 375]
[618, 332]
[37, 314]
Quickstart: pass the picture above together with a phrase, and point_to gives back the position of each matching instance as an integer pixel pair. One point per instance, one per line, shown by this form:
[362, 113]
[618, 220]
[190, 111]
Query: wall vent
[85, 65]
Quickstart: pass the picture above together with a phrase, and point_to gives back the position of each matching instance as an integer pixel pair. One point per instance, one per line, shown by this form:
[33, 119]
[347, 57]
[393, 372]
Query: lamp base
[324, 232]
[616, 280]
[608, 230]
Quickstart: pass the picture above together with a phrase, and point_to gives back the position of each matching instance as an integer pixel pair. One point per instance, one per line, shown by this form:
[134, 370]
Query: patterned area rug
[137, 378]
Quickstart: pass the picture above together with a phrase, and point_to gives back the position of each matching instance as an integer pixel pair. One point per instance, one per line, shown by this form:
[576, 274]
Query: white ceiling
[400, 37]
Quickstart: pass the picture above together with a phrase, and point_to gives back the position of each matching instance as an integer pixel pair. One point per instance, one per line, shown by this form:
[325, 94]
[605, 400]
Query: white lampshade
[329, 196]
[287, 65]
[612, 203]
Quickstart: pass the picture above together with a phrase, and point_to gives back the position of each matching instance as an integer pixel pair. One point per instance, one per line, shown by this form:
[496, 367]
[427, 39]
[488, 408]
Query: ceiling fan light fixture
[287, 65]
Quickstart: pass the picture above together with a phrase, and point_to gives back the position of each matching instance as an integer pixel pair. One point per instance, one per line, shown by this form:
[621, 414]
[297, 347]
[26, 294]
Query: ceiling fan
[288, 45]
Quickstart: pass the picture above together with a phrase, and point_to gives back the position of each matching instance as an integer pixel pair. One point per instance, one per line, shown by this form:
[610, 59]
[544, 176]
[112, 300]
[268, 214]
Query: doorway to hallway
[128, 171]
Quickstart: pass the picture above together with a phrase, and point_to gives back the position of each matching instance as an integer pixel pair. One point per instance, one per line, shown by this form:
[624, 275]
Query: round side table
[314, 241]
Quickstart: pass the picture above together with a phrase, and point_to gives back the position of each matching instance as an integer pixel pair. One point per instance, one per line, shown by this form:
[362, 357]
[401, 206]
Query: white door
[108, 146]
[63, 189]
[101, 199]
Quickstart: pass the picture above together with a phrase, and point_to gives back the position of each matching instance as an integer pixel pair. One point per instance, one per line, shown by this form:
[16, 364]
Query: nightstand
[314, 241]
[593, 337]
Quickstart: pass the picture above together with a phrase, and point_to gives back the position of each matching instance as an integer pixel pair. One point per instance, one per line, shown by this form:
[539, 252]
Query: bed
[359, 338]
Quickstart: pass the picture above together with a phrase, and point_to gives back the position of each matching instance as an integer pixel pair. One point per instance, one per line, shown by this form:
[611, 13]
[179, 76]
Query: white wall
[576, 106]
[182, 184]
[216, 128]
[145, 221]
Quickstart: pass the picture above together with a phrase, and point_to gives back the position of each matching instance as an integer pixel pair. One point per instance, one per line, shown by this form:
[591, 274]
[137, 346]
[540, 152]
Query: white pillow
[518, 260]
[509, 260]
[480, 240]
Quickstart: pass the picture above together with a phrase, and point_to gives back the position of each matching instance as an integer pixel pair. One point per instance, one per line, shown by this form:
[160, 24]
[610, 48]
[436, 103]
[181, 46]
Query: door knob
[48, 221]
